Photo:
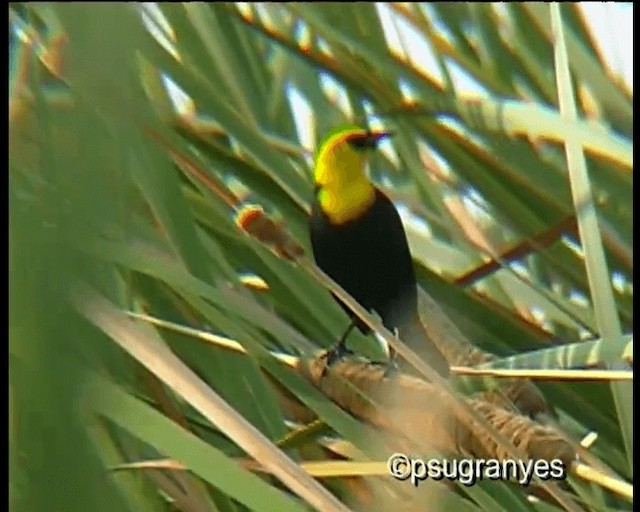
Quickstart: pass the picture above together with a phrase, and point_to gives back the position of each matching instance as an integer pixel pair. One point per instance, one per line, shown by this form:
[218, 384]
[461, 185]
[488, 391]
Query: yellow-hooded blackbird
[358, 240]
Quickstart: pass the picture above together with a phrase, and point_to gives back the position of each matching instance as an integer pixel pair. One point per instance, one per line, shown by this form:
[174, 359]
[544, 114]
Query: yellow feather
[340, 172]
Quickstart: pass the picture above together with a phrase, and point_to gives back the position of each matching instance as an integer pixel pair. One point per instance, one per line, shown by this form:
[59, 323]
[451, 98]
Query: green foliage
[111, 187]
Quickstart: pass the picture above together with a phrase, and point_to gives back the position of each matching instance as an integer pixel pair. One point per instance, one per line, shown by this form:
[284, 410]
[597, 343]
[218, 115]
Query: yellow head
[343, 189]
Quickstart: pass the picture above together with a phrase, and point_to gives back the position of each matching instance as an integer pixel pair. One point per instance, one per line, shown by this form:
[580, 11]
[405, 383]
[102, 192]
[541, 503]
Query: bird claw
[336, 354]
[390, 367]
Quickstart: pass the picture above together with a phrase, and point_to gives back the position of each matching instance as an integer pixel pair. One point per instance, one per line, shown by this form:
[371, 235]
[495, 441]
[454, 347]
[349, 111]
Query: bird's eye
[362, 142]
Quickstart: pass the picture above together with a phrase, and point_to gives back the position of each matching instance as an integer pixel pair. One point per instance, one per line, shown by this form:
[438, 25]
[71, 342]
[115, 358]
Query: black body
[369, 257]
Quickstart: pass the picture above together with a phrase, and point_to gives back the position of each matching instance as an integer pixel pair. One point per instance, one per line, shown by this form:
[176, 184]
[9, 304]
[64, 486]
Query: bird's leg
[391, 352]
[392, 363]
[340, 349]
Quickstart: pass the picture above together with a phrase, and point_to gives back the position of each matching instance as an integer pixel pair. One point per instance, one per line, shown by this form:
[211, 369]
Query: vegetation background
[120, 202]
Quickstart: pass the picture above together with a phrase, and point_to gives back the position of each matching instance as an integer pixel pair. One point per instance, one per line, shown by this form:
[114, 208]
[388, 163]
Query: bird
[357, 238]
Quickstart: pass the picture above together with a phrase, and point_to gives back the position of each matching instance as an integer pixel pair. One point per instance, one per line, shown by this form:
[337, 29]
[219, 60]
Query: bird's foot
[338, 352]
[390, 367]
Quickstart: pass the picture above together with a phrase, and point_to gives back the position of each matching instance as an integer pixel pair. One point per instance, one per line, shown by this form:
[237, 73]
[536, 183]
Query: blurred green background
[116, 185]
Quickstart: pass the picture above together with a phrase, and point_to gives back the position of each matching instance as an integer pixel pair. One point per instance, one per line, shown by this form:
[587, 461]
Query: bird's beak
[378, 136]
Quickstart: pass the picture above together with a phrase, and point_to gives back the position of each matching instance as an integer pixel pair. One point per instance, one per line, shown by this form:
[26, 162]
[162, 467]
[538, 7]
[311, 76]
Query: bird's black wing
[326, 245]
[400, 273]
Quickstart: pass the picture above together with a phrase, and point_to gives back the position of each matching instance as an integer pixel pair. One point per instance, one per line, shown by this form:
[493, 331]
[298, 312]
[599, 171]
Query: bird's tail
[522, 393]
[414, 334]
